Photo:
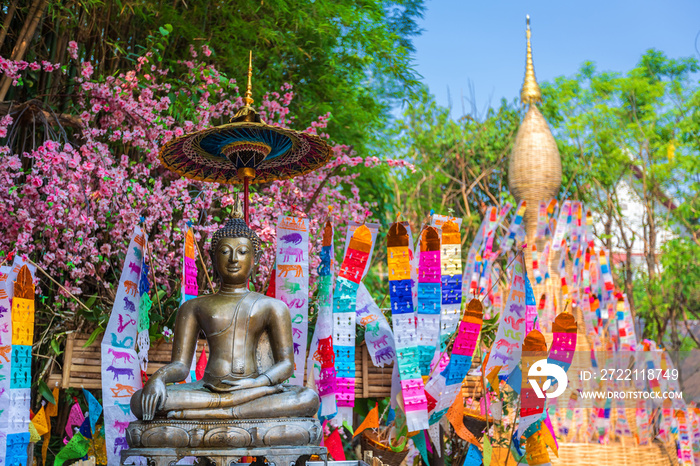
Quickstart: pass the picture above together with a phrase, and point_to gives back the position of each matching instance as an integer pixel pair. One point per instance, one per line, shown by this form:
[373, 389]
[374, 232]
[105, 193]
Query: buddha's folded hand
[245, 383]
[153, 397]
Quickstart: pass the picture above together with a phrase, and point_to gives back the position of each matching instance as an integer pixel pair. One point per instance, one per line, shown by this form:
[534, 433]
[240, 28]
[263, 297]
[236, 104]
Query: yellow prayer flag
[39, 422]
[492, 377]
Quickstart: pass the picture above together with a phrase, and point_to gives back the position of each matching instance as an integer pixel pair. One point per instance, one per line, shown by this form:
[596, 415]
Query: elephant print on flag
[292, 284]
[121, 369]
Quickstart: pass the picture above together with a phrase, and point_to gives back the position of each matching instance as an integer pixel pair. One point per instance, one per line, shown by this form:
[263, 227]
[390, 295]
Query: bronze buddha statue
[233, 320]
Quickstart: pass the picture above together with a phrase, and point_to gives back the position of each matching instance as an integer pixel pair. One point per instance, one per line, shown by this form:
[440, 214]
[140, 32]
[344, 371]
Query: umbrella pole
[246, 194]
[246, 174]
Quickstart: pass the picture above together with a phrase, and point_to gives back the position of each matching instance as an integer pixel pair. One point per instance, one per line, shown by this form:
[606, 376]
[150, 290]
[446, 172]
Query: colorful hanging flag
[535, 265]
[437, 221]
[625, 325]
[685, 448]
[292, 284]
[605, 270]
[531, 317]
[189, 287]
[429, 298]
[532, 407]
[121, 365]
[406, 340]
[469, 287]
[357, 255]
[321, 362]
[511, 328]
[564, 341]
[378, 335]
[643, 425]
[514, 226]
[694, 425]
[562, 224]
[445, 384]
[566, 424]
[143, 338]
[546, 312]
[5, 354]
[451, 280]
[20, 353]
[541, 220]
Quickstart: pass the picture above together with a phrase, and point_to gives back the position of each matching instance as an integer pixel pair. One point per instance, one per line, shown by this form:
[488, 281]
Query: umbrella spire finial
[249, 91]
[530, 93]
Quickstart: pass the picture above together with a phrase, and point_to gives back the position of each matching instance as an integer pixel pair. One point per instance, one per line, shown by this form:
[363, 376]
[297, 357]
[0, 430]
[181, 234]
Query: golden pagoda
[534, 172]
[534, 175]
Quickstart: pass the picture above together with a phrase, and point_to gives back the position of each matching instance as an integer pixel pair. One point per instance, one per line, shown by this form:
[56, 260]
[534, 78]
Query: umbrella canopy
[247, 150]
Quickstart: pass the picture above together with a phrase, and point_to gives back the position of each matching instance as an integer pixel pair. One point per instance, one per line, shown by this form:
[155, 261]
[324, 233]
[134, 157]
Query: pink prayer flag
[75, 418]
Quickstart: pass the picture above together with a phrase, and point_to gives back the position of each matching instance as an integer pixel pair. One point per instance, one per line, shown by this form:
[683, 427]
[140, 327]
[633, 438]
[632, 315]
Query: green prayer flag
[76, 448]
[488, 451]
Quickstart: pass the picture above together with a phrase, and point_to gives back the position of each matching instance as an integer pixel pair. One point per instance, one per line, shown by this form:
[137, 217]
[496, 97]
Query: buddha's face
[235, 258]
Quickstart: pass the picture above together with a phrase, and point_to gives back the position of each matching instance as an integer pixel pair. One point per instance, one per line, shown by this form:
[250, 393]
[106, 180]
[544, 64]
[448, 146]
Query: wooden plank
[67, 360]
[365, 372]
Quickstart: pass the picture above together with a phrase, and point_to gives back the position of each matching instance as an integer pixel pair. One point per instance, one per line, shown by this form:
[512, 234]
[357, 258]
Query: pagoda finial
[530, 93]
[248, 100]
[247, 112]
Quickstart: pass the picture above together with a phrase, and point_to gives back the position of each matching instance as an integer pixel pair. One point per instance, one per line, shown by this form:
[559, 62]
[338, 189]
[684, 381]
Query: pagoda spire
[534, 173]
[530, 93]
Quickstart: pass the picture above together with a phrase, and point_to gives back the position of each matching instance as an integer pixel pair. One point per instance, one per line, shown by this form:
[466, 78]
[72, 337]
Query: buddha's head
[235, 251]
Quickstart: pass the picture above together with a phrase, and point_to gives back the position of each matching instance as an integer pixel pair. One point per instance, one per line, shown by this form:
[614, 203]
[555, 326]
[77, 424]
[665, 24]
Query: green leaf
[45, 392]
[55, 347]
[164, 31]
[91, 301]
[93, 336]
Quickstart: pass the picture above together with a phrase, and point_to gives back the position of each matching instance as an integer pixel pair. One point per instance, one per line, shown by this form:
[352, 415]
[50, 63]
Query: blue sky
[483, 42]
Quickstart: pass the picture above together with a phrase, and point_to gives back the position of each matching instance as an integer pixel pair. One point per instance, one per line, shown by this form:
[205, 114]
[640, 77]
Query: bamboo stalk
[36, 12]
[8, 19]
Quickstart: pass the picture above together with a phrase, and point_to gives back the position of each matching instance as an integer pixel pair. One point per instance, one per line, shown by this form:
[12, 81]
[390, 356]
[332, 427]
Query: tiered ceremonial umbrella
[246, 150]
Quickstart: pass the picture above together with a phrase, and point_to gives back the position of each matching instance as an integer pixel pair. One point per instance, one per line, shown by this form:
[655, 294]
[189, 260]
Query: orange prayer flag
[548, 439]
[456, 417]
[47, 435]
[371, 421]
[52, 409]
